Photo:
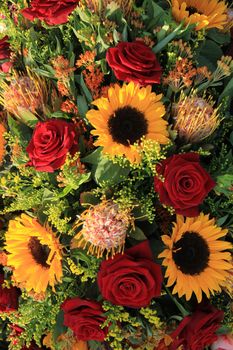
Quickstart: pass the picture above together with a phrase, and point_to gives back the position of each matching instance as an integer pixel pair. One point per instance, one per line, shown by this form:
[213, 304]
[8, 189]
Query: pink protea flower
[104, 228]
[224, 342]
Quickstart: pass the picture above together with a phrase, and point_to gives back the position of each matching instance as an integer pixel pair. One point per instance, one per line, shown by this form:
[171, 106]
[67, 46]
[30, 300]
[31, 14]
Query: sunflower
[34, 254]
[194, 257]
[206, 14]
[127, 115]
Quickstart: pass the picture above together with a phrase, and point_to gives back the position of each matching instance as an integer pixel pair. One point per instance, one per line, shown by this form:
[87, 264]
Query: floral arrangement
[116, 174]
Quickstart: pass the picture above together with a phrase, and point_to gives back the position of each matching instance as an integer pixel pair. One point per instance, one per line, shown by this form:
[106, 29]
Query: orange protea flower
[127, 115]
[104, 228]
[194, 257]
[195, 118]
[34, 253]
[25, 94]
[2, 142]
[206, 14]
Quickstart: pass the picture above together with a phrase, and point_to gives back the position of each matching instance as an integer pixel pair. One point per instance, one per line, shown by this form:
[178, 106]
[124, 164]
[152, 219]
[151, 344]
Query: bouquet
[116, 174]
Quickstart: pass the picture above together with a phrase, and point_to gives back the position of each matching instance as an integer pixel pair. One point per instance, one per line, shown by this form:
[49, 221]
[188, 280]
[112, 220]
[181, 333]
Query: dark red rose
[85, 318]
[186, 183]
[5, 53]
[53, 12]
[50, 143]
[197, 331]
[134, 62]
[131, 279]
[8, 297]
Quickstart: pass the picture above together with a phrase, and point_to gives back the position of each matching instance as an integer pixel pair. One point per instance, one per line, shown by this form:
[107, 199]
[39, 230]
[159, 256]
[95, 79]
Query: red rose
[134, 62]
[197, 331]
[185, 185]
[51, 11]
[50, 143]
[5, 55]
[132, 279]
[8, 297]
[84, 318]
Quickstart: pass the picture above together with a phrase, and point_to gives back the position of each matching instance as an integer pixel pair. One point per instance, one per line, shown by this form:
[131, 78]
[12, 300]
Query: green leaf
[228, 91]
[27, 117]
[209, 54]
[223, 219]
[59, 326]
[137, 234]
[82, 105]
[94, 157]
[88, 198]
[85, 89]
[108, 172]
[157, 48]
[22, 131]
[219, 37]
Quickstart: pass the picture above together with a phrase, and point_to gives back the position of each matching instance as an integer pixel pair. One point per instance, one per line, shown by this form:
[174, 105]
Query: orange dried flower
[62, 88]
[69, 106]
[93, 78]
[62, 67]
[182, 75]
[86, 59]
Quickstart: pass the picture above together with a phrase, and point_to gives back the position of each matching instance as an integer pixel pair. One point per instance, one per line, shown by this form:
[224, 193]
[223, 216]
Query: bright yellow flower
[34, 254]
[128, 113]
[206, 14]
[194, 257]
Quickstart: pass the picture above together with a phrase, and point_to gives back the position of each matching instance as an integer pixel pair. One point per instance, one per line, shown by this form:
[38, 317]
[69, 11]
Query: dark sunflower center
[127, 125]
[39, 251]
[192, 10]
[191, 253]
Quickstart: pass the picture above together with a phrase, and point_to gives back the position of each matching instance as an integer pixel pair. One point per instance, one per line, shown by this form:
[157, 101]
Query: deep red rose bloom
[85, 318]
[50, 143]
[186, 183]
[53, 12]
[8, 297]
[197, 331]
[134, 62]
[132, 279]
[5, 55]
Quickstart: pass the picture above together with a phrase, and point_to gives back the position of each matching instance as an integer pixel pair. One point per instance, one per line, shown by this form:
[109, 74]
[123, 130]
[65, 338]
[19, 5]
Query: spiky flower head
[25, 94]
[195, 118]
[104, 228]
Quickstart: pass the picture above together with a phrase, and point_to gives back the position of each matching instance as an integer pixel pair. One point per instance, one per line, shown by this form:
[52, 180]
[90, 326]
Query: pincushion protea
[104, 228]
